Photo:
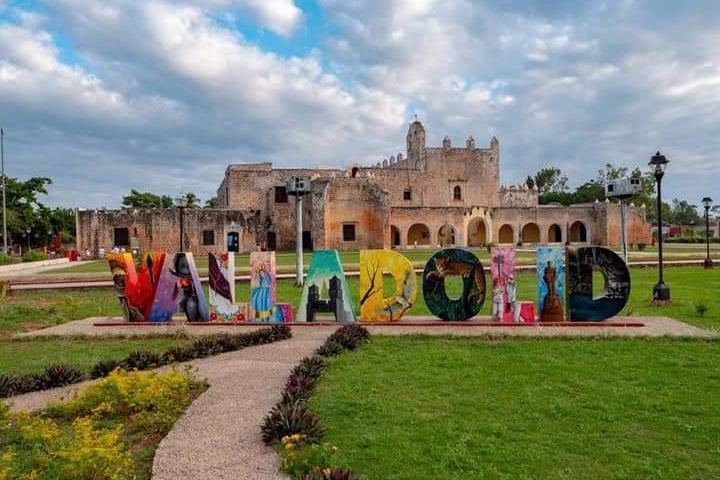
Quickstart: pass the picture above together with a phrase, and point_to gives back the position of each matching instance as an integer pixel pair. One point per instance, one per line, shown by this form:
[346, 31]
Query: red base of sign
[372, 324]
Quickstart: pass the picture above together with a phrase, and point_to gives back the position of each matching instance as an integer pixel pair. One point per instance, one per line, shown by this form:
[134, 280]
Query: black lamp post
[181, 203]
[661, 292]
[707, 203]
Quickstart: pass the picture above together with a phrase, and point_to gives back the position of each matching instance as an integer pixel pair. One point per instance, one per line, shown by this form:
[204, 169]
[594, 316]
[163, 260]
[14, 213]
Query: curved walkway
[218, 437]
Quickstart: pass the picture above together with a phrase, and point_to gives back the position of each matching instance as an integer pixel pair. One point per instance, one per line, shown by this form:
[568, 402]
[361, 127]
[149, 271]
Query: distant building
[429, 197]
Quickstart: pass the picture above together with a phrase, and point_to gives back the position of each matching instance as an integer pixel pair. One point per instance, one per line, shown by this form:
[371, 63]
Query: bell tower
[416, 145]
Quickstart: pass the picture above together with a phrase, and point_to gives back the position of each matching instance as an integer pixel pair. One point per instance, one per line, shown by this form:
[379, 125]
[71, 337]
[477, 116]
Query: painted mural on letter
[454, 261]
[374, 307]
[179, 288]
[221, 288]
[551, 284]
[581, 304]
[325, 289]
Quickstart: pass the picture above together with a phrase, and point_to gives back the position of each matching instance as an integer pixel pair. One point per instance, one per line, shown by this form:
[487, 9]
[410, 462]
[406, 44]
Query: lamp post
[661, 292]
[707, 203]
[181, 203]
[27, 234]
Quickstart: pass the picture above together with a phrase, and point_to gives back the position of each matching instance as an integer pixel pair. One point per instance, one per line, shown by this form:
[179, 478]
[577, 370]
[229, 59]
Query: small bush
[298, 388]
[300, 457]
[641, 246]
[59, 375]
[331, 474]
[141, 360]
[33, 256]
[5, 259]
[350, 336]
[311, 367]
[290, 419]
[7, 385]
[206, 346]
[280, 332]
[103, 368]
[329, 349]
[701, 308]
[176, 354]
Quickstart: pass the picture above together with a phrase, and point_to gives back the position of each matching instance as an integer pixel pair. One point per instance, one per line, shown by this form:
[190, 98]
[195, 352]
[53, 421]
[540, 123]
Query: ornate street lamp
[181, 203]
[661, 292]
[707, 203]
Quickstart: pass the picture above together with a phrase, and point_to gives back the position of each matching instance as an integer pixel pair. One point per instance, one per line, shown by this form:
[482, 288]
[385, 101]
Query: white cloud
[280, 16]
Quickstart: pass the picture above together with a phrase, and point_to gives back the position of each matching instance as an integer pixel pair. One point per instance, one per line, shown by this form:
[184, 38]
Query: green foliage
[102, 434]
[299, 457]
[212, 203]
[329, 349]
[141, 360]
[143, 200]
[286, 419]
[33, 256]
[5, 259]
[331, 474]
[548, 180]
[350, 336]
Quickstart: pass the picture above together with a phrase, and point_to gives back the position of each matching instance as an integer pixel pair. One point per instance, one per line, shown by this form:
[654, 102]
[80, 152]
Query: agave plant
[290, 419]
[58, 375]
[141, 360]
[329, 348]
[310, 366]
[103, 368]
[331, 474]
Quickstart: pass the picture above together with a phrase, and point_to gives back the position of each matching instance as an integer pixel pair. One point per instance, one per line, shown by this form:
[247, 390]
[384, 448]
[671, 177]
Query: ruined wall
[517, 196]
[159, 229]
[359, 202]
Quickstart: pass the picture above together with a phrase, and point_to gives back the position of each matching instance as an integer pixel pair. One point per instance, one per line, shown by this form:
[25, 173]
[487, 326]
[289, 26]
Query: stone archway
[554, 233]
[446, 235]
[394, 236]
[530, 233]
[578, 232]
[418, 234]
[476, 233]
[506, 234]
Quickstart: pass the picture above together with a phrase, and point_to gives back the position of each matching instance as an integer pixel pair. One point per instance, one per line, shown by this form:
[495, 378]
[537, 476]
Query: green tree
[683, 213]
[192, 200]
[548, 180]
[211, 203]
[137, 199]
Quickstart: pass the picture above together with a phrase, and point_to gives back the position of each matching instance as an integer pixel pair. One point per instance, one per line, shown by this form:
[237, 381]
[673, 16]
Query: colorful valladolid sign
[155, 286]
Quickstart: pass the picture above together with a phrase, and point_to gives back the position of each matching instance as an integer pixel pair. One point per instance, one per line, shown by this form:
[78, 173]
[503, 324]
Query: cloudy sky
[104, 96]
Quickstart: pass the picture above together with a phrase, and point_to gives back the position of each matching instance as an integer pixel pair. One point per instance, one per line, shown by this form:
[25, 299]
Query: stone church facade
[427, 198]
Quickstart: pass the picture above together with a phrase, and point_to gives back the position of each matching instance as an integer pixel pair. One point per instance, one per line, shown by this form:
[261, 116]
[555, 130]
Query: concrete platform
[617, 326]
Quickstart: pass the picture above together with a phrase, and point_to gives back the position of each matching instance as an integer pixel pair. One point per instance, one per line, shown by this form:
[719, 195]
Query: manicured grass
[32, 355]
[429, 408]
[672, 251]
[689, 287]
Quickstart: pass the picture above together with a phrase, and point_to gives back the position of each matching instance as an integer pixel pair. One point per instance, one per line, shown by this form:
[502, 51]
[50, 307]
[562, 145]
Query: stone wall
[159, 229]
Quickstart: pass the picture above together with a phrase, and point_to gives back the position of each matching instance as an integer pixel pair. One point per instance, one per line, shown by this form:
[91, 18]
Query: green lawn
[689, 287]
[418, 408]
[32, 355]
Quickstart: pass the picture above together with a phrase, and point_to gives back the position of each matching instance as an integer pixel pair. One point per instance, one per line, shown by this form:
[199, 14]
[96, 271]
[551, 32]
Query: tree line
[552, 187]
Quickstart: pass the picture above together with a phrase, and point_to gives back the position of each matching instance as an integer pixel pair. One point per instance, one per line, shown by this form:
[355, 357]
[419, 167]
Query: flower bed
[58, 375]
[111, 431]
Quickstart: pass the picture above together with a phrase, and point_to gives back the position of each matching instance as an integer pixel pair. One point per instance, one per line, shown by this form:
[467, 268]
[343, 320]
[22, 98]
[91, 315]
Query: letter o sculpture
[454, 261]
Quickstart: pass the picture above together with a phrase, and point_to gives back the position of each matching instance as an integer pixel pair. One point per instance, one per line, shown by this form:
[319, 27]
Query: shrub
[300, 458]
[310, 366]
[176, 354]
[290, 419]
[350, 336]
[59, 375]
[298, 388]
[33, 256]
[141, 360]
[103, 368]
[280, 332]
[206, 346]
[641, 246]
[5, 259]
[700, 308]
[329, 348]
[7, 385]
[331, 474]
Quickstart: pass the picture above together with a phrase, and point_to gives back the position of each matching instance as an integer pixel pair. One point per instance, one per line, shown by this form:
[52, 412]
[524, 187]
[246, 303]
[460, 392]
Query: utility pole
[4, 206]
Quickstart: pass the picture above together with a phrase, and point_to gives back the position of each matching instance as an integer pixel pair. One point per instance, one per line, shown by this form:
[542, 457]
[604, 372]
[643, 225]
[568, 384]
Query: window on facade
[348, 232]
[121, 237]
[407, 194]
[281, 194]
[208, 237]
[457, 193]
